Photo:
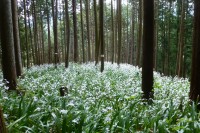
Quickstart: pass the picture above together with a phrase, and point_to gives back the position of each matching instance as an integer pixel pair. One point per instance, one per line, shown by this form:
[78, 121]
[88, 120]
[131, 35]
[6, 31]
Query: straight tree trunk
[30, 36]
[131, 49]
[42, 37]
[35, 34]
[88, 29]
[169, 39]
[55, 30]
[96, 35]
[62, 34]
[116, 32]
[127, 34]
[68, 34]
[178, 8]
[113, 35]
[7, 44]
[49, 34]
[75, 31]
[139, 39]
[155, 34]
[82, 30]
[181, 42]
[101, 30]
[26, 35]
[18, 60]
[119, 31]
[195, 77]
[148, 40]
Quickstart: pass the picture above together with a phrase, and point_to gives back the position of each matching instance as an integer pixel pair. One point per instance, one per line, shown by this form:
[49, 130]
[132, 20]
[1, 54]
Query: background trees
[123, 26]
[127, 29]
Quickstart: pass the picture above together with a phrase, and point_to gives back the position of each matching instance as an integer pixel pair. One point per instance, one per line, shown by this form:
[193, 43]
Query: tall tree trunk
[113, 35]
[55, 30]
[68, 34]
[82, 30]
[116, 32]
[119, 31]
[169, 39]
[96, 35]
[42, 36]
[195, 77]
[7, 44]
[49, 34]
[75, 31]
[178, 8]
[30, 36]
[101, 34]
[62, 34]
[18, 60]
[26, 35]
[35, 34]
[148, 40]
[88, 28]
[165, 46]
[181, 42]
[131, 49]
[155, 34]
[139, 39]
[127, 35]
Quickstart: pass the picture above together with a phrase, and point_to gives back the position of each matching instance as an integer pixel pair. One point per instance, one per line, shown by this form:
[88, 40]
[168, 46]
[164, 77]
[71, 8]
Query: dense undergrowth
[97, 102]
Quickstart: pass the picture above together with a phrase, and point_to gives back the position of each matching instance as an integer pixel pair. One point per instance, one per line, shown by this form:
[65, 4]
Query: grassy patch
[97, 102]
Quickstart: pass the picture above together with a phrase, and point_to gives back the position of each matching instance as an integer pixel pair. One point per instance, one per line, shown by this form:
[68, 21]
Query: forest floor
[97, 102]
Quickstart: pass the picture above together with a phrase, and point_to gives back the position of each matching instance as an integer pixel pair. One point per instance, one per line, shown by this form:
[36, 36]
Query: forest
[96, 66]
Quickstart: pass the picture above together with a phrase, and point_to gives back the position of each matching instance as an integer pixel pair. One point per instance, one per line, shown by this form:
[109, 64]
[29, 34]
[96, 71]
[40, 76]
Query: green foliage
[97, 102]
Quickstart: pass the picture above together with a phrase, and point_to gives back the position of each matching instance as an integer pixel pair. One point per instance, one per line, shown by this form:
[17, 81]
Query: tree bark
[101, 30]
[30, 35]
[88, 29]
[2, 122]
[155, 34]
[113, 35]
[75, 31]
[55, 30]
[68, 34]
[148, 40]
[181, 42]
[96, 35]
[132, 48]
[49, 35]
[139, 39]
[119, 31]
[82, 30]
[26, 35]
[37, 56]
[42, 36]
[195, 77]
[7, 44]
[18, 60]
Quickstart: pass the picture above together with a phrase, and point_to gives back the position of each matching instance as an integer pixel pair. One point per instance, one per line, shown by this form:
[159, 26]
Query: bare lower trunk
[2, 123]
